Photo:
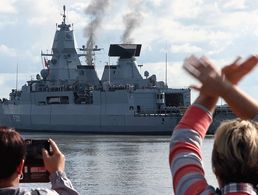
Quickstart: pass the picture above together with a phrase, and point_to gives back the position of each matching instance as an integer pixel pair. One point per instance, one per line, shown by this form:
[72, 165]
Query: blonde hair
[235, 152]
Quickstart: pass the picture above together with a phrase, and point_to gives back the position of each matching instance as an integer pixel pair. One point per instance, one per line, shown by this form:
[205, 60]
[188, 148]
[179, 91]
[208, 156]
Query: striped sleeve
[185, 153]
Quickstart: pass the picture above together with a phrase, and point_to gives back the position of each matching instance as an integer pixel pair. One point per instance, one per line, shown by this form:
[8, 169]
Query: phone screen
[34, 170]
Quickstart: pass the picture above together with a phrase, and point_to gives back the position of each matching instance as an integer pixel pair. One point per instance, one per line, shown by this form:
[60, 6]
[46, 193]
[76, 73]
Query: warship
[67, 95]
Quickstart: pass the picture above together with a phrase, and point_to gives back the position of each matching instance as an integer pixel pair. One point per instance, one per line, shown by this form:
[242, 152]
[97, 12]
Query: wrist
[57, 174]
[224, 86]
[206, 101]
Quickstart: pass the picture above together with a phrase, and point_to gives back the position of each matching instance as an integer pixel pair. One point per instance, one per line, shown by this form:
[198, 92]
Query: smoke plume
[95, 10]
[132, 20]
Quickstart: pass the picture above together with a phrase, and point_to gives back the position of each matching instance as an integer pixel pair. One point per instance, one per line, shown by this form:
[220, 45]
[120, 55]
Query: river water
[115, 164]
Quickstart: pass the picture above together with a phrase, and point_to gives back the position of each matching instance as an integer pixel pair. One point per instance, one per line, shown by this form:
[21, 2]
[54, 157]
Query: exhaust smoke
[132, 20]
[95, 10]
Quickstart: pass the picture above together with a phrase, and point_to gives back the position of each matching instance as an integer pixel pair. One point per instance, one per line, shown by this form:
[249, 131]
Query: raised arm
[216, 84]
[185, 152]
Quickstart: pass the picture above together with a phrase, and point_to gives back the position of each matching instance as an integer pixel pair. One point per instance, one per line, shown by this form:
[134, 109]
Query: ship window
[174, 99]
[58, 100]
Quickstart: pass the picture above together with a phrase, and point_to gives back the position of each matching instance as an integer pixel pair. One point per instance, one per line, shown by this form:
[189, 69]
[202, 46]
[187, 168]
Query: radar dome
[44, 73]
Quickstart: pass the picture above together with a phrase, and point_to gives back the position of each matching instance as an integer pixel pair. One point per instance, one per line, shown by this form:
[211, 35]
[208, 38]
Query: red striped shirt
[185, 157]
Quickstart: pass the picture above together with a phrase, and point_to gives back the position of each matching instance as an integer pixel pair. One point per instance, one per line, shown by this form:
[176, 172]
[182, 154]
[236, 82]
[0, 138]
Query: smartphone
[34, 170]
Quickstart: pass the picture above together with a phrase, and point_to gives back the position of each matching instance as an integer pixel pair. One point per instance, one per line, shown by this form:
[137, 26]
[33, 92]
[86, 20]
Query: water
[112, 164]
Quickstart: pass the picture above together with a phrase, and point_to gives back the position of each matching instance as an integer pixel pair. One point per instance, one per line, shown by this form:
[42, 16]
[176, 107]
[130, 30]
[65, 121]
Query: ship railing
[182, 109]
[157, 113]
[52, 89]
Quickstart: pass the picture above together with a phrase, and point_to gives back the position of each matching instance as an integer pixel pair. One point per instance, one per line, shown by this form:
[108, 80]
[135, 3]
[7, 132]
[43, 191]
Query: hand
[236, 71]
[211, 79]
[56, 161]
[205, 71]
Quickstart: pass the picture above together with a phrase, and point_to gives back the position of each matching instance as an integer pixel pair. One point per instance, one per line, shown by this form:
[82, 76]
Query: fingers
[191, 70]
[54, 146]
[54, 161]
[229, 68]
[195, 87]
[201, 68]
[45, 155]
[234, 65]
[208, 66]
[249, 64]
[236, 71]
[237, 60]
[198, 65]
[190, 66]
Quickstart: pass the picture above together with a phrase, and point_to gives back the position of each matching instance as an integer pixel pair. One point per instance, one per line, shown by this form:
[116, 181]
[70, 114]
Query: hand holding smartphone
[34, 170]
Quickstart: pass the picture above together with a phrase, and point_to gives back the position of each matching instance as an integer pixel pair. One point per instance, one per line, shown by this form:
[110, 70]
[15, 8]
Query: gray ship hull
[87, 119]
[74, 119]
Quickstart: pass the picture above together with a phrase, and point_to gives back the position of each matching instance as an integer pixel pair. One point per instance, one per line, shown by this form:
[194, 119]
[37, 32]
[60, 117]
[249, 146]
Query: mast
[17, 77]
[166, 70]
[64, 16]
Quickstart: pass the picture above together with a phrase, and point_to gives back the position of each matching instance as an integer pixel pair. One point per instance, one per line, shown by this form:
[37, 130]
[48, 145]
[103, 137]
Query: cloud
[8, 82]
[4, 50]
[238, 20]
[44, 13]
[37, 12]
[8, 13]
[156, 2]
[185, 48]
[235, 4]
[7, 7]
[186, 8]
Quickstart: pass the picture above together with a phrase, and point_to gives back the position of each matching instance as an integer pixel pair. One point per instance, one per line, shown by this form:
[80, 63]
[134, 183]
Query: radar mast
[64, 16]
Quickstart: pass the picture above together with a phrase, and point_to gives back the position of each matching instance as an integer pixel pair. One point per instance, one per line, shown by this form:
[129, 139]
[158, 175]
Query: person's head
[235, 152]
[12, 152]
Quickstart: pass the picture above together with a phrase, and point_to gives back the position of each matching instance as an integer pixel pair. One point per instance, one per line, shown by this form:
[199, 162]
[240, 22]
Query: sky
[218, 29]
